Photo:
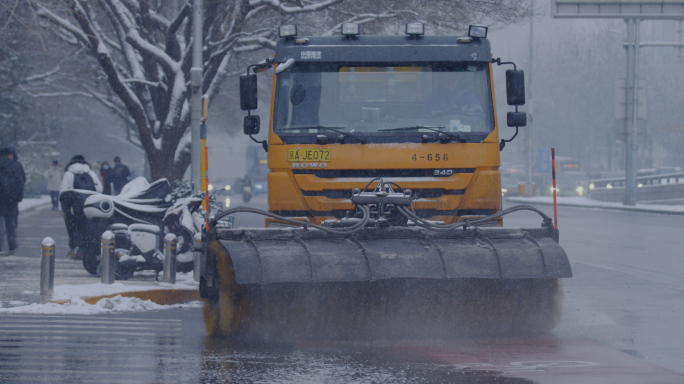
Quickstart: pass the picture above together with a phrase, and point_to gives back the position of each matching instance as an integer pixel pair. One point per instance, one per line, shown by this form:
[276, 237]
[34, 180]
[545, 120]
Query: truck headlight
[227, 188]
[227, 202]
[504, 191]
[580, 190]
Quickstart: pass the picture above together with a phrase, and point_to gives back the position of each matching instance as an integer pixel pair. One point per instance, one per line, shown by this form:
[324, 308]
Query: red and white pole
[553, 176]
[206, 190]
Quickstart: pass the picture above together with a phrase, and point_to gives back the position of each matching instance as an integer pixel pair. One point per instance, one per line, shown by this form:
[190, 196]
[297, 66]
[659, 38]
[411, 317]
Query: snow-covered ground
[77, 306]
[70, 292]
[33, 202]
[72, 298]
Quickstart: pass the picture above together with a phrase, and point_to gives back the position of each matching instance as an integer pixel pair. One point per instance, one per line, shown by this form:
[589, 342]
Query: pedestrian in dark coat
[72, 200]
[11, 193]
[13, 152]
[119, 176]
[105, 171]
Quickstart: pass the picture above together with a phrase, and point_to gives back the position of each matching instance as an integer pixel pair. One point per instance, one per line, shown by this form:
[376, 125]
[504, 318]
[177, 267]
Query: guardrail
[667, 186]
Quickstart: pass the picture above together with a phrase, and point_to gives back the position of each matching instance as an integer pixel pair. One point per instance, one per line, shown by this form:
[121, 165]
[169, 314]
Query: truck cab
[417, 110]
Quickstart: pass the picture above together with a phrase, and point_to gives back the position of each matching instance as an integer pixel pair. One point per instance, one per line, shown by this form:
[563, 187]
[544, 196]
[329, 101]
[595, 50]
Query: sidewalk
[32, 203]
[584, 202]
[75, 290]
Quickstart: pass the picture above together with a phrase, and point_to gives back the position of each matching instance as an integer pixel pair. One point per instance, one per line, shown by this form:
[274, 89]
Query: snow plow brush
[361, 277]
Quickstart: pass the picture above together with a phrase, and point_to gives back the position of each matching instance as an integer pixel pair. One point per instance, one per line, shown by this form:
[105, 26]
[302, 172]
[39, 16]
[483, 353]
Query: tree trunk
[162, 166]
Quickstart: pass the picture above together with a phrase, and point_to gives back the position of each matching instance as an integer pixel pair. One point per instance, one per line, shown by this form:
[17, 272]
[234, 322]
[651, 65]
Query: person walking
[119, 176]
[74, 177]
[11, 193]
[54, 175]
[78, 175]
[15, 157]
[105, 171]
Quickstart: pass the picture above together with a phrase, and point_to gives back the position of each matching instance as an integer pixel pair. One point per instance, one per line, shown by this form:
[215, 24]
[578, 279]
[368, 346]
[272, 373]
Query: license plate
[308, 154]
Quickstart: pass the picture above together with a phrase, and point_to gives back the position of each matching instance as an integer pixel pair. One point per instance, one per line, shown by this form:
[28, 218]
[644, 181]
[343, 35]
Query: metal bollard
[107, 258]
[197, 257]
[170, 241]
[47, 267]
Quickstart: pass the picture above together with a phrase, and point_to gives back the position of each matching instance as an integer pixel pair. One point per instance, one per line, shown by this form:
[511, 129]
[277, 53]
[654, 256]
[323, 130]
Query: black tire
[185, 267]
[91, 259]
[123, 273]
[185, 240]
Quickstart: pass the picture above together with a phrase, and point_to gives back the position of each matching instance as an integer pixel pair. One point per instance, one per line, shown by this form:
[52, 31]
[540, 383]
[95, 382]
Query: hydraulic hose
[348, 230]
[547, 221]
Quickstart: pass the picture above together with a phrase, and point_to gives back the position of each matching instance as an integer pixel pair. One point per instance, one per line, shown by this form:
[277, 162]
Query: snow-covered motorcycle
[140, 216]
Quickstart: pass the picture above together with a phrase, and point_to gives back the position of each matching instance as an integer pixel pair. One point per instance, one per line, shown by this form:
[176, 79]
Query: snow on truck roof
[372, 48]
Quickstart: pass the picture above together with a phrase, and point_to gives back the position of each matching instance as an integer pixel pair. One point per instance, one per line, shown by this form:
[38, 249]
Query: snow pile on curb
[74, 303]
[71, 292]
[78, 306]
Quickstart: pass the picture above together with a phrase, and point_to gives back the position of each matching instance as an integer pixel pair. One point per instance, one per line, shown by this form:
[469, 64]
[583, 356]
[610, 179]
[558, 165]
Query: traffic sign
[544, 160]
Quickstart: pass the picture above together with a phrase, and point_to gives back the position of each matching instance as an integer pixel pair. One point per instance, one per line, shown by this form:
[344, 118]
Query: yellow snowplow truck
[384, 199]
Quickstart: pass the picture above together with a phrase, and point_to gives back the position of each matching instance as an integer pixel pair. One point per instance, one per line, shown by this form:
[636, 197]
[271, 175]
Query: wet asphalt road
[621, 323]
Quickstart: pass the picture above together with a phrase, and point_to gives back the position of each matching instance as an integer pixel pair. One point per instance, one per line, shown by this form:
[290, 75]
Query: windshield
[386, 99]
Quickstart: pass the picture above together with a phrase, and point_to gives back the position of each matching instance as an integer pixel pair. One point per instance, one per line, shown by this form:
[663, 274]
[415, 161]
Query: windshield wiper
[343, 134]
[458, 136]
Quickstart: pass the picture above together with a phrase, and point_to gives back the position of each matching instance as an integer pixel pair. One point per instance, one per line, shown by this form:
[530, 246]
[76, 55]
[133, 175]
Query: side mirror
[516, 119]
[251, 125]
[248, 92]
[515, 87]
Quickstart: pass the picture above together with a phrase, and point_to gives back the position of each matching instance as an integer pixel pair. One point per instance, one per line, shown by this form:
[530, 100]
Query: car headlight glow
[227, 202]
[580, 190]
[591, 186]
[210, 187]
[227, 188]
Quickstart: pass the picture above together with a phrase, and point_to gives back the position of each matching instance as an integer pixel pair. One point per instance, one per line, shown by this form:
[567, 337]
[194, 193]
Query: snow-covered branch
[133, 37]
[288, 9]
[255, 40]
[62, 23]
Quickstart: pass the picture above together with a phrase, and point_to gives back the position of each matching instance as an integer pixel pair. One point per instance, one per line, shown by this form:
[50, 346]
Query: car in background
[222, 192]
[256, 166]
[510, 181]
[570, 183]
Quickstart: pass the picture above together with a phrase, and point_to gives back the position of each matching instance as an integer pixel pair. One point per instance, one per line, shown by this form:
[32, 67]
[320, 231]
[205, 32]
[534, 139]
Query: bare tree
[143, 50]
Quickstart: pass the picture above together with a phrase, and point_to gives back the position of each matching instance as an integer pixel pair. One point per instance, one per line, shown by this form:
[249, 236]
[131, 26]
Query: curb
[158, 296]
[630, 209]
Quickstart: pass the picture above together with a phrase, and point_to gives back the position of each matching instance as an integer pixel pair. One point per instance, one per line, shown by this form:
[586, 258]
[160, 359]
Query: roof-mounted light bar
[350, 29]
[477, 31]
[415, 29]
[287, 30]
